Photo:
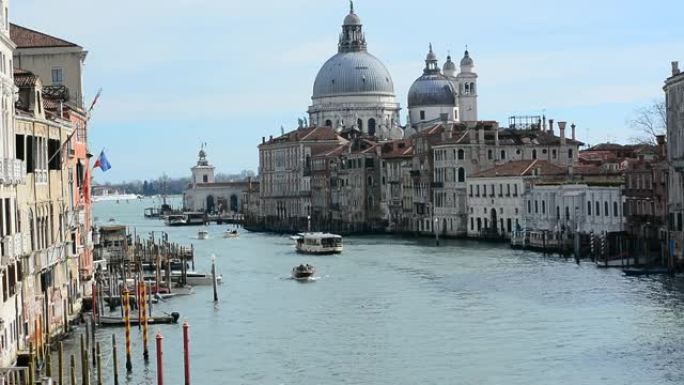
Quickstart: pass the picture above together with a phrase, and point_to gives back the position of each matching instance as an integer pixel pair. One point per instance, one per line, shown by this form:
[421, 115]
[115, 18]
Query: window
[205, 178]
[422, 115]
[328, 123]
[515, 190]
[558, 212]
[534, 154]
[570, 153]
[461, 174]
[503, 155]
[359, 124]
[491, 190]
[500, 190]
[598, 208]
[471, 191]
[543, 207]
[54, 155]
[567, 213]
[529, 206]
[554, 154]
[536, 206]
[472, 223]
[477, 194]
[615, 209]
[461, 154]
[605, 209]
[371, 127]
[57, 76]
[589, 208]
[508, 190]
[489, 154]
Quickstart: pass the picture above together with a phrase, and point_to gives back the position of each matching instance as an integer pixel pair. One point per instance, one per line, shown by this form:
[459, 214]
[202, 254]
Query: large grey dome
[431, 90]
[356, 72]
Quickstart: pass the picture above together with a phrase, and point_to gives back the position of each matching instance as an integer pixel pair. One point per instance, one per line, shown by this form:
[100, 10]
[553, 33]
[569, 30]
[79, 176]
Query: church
[205, 194]
[354, 91]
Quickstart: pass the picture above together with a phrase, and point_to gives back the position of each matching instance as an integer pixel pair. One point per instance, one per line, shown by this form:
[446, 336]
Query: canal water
[403, 311]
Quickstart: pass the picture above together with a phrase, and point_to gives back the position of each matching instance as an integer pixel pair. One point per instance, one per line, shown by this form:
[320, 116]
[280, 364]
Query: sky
[178, 73]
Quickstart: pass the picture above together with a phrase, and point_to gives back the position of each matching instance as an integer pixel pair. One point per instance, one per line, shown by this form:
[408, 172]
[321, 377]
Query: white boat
[197, 279]
[176, 220]
[231, 234]
[303, 272]
[318, 243]
[107, 195]
[202, 235]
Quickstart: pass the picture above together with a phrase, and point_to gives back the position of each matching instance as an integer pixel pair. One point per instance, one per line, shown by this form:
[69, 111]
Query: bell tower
[202, 172]
[467, 89]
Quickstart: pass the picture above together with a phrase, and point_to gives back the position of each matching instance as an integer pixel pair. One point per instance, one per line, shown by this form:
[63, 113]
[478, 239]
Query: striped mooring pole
[143, 314]
[127, 322]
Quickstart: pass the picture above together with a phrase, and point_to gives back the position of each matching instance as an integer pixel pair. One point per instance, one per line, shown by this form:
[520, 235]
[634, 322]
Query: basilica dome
[432, 90]
[353, 72]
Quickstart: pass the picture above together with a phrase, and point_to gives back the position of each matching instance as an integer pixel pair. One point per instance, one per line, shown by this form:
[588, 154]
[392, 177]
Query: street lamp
[436, 231]
[308, 223]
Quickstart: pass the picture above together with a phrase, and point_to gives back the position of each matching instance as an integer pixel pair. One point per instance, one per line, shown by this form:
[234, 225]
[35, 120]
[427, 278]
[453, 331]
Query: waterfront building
[645, 199]
[59, 66]
[496, 196]
[12, 239]
[674, 103]
[354, 90]
[50, 259]
[396, 184]
[285, 169]
[205, 194]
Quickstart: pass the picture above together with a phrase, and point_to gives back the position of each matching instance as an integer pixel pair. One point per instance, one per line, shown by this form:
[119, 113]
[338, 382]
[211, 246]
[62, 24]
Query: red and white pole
[160, 363]
[186, 351]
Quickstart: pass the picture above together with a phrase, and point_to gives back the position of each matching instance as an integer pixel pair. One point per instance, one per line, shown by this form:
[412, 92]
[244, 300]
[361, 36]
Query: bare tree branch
[649, 122]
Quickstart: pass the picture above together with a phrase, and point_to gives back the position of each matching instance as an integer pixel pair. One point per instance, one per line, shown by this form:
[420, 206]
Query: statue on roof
[351, 6]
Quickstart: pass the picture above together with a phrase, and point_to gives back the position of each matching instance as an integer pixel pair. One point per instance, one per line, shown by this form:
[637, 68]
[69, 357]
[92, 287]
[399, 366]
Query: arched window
[589, 208]
[467, 89]
[371, 127]
[503, 155]
[558, 212]
[567, 213]
[461, 154]
[534, 154]
[472, 88]
[461, 174]
[490, 154]
[615, 209]
[359, 124]
[598, 208]
[570, 153]
[328, 123]
[605, 208]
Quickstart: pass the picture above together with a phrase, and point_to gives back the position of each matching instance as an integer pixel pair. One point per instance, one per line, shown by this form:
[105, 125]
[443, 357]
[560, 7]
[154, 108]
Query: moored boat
[318, 243]
[197, 279]
[176, 220]
[231, 234]
[119, 321]
[303, 272]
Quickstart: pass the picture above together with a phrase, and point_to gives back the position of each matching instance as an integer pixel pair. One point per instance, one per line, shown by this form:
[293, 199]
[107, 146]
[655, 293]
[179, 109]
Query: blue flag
[102, 162]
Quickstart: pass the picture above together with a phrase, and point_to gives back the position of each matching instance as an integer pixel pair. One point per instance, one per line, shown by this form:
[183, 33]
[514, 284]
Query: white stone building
[495, 196]
[571, 208]
[354, 90]
[674, 100]
[204, 194]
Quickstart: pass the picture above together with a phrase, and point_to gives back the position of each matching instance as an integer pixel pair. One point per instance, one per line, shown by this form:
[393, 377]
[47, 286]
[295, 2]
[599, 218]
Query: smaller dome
[432, 90]
[352, 19]
[467, 60]
[449, 66]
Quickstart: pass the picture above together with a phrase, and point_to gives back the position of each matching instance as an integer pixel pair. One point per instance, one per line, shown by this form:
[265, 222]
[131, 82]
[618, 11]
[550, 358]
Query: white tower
[202, 172]
[467, 89]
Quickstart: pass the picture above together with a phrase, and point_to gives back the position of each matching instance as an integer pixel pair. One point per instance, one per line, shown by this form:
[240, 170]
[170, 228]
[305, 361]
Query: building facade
[674, 102]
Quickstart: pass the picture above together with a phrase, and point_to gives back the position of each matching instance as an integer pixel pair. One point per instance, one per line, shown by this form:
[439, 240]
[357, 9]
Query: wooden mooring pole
[115, 361]
[186, 351]
[160, 359]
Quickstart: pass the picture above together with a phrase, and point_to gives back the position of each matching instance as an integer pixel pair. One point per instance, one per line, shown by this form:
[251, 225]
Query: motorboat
[202, 235]
[194, 278]
[231, 234]
[318, 243]
[303, 272]
[176, 220]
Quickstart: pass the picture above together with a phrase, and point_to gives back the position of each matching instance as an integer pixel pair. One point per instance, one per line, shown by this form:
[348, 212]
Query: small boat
[197, 279]
[303, 272]
[203, 234]
[231, 234]
[318, 243]
[638, 272]
[176, 220]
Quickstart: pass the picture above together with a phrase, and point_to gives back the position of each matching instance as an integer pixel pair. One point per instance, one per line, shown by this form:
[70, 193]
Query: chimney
[496, 138]
[561, 128]
[263, 139]
[543, 127]
[662, 150]
[270, 138]
[675, 68]
[551, 126]
[573, 126]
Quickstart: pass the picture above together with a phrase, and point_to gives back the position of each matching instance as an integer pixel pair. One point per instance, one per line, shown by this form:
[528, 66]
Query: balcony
[12, 171]
[50, 256]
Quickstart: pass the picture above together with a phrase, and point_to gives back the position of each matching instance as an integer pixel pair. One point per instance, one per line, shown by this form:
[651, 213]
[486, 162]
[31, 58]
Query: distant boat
[203, 234]
[197, 279]
[231, 234]
[318, 243]
[106, 195]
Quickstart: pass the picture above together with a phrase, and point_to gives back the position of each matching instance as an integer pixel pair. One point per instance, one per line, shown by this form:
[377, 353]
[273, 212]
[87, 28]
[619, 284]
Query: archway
[493, 220]
[234, 203]
[371, 127]
[211, 204]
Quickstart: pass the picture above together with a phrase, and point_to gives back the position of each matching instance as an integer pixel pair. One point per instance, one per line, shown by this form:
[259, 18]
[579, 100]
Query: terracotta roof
[25, 79]
[307, 134]
[28, 38]
[402, 148]
[522, 168]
